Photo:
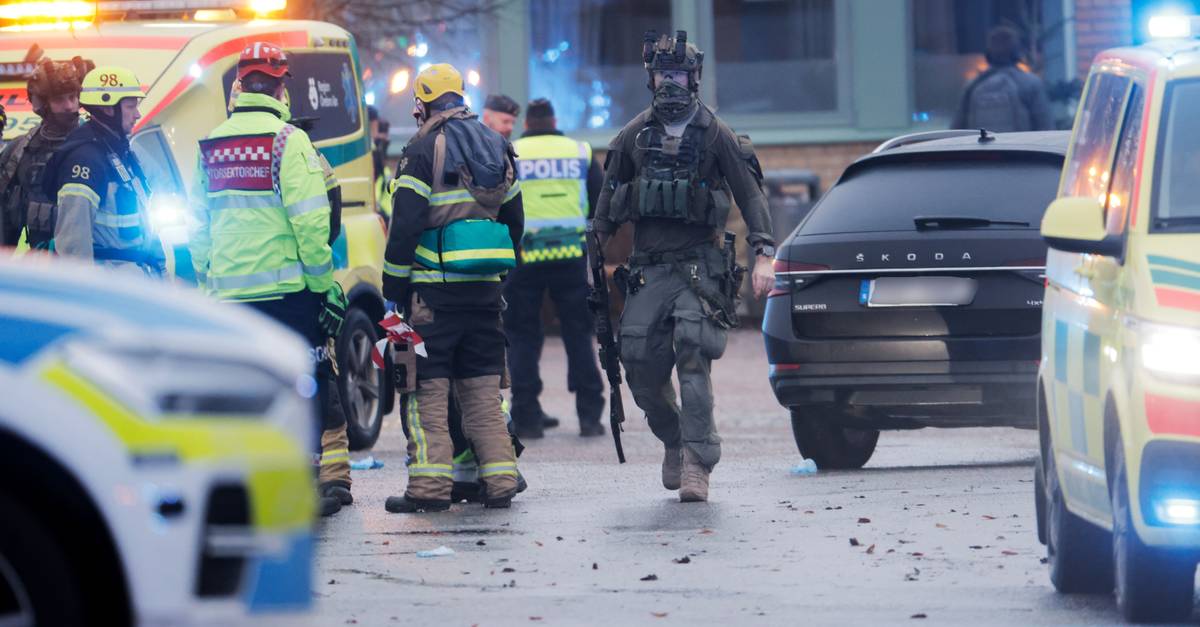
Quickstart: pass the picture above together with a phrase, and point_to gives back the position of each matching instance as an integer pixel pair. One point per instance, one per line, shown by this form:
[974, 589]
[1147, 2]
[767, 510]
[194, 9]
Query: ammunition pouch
[687, 200]
[40, 219]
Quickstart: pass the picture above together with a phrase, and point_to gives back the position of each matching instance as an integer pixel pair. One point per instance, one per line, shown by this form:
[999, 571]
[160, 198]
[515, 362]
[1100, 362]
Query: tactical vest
[25, 204]
[553, 171]
[456, 197]
[677, 178]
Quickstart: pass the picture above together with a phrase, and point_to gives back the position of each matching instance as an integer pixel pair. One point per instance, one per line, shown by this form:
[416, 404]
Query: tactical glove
[333, 311]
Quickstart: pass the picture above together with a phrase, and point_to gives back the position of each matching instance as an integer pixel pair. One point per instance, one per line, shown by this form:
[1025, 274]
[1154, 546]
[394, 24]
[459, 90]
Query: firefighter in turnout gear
[457, 222]
[54, 93]
[99, 186]
[262, 233]
[670, 172]
[560, 183]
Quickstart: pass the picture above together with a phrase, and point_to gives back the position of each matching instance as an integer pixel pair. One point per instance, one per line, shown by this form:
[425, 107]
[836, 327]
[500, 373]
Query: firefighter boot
[334, 476]
[484, 425]
[694, 482]
[672, 468]
[430, 451]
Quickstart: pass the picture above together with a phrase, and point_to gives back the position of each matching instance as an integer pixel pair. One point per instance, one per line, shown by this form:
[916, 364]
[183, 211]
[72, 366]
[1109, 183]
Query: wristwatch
[766, 250]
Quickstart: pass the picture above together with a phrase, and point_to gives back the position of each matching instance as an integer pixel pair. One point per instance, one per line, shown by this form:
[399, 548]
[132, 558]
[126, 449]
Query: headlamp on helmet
[662, 53]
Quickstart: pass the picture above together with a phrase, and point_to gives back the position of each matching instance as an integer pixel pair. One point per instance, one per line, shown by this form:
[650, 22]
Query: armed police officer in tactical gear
[457, 222]
[670, 172]
[98, 183]
[262, 233]
[54, 93]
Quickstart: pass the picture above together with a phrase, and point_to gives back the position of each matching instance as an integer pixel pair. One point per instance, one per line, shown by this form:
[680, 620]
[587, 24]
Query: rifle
[610, 352]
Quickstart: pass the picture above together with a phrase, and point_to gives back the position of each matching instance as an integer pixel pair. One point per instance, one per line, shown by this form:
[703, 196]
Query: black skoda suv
[911, 295]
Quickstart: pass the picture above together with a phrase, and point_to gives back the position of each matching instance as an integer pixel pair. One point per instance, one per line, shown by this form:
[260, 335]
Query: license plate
[929, 291]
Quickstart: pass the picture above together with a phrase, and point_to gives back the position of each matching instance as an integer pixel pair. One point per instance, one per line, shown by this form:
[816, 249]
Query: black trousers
[298, 311]
[524, 289]
[462, 344]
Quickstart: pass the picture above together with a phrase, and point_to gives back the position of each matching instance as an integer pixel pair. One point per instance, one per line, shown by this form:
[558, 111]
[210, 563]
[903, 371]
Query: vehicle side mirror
[1076, 225]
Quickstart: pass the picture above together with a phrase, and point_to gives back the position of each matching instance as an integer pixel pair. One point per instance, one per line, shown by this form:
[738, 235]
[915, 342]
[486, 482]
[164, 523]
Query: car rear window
[888, 194]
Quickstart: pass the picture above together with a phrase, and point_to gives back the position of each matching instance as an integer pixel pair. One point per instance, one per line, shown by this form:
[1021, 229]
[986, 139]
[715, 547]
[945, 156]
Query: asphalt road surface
[938, 529]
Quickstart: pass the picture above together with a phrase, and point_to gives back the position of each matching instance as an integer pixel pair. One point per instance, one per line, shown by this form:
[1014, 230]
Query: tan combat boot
[672, 467]
[694, 483]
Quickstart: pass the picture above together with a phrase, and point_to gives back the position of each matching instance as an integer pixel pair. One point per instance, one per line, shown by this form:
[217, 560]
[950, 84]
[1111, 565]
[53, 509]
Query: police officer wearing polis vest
[670, 172]
[54, 94]
[98, 184]
[560, 183]
[262, 237]
[456, 225]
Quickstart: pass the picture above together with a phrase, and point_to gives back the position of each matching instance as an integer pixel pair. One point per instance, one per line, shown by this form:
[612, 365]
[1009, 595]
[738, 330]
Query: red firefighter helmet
[261, 56]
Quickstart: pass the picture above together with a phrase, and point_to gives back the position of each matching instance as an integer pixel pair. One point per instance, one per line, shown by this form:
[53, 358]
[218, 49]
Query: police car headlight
[1170, 352]
[157, 383]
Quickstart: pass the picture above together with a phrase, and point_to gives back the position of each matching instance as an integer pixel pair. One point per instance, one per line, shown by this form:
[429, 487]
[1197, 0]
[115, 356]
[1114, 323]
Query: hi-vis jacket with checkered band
[427, 195]
[261, 227]
[102, 200]
[553, 170]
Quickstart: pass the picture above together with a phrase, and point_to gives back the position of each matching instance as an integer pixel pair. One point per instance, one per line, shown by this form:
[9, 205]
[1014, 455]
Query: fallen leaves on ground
[682, 560]
[854, 542]
[650, 578]
[658, 614]
[871, 550]
[1008, 552]
[863, 521]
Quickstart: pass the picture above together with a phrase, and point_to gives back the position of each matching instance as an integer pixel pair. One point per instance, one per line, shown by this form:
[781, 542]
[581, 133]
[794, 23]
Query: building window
[775, 56]
[949, 39]
[586, 57]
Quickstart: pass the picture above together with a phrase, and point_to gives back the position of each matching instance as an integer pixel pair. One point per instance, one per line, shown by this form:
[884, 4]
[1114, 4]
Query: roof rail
[924, 136]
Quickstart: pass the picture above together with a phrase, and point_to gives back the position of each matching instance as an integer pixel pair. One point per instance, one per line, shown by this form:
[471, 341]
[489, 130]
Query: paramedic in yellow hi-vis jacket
[457, 222]
[262, 233]
[560, 183]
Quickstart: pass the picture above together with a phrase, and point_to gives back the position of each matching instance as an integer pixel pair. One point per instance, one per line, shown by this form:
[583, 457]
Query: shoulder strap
[708, 156]
[277, 147]
[439, 163]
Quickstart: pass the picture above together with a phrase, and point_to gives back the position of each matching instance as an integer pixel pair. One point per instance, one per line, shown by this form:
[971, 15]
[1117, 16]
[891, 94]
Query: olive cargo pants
[664, 328]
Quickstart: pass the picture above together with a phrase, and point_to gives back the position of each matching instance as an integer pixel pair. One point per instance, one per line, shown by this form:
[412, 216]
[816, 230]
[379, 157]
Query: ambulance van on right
[1118, 475]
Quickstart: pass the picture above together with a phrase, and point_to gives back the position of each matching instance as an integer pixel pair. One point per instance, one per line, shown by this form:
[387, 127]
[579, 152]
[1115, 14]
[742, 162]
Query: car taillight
[790, 274]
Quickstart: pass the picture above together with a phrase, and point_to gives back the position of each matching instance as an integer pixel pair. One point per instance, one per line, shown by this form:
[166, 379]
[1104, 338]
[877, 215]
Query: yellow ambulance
[1118, 476]
[185, 53]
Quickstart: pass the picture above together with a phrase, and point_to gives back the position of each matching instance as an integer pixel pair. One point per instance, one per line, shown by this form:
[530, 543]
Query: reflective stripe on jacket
[260, 207]
[553, 171]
